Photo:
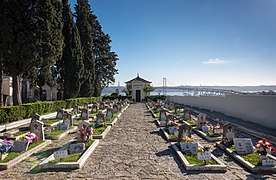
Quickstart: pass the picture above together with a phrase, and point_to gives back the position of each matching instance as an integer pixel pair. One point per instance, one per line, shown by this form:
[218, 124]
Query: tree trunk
[40, 93]
[1, 84]
[16, 88]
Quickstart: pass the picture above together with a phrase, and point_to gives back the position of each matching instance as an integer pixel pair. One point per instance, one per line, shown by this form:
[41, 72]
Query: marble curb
[193, 167]
[56, 137]
[203, 135]
[248, 165]
[103, 134]
[69, 165]
[23, 156]
[167, 136]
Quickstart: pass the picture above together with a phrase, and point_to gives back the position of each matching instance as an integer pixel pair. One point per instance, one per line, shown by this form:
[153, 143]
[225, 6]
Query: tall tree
[105, 59]
[32, 37]
[83, 15]
[70, 66]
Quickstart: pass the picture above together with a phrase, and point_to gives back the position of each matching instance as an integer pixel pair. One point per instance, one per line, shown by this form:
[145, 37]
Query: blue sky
[192, 42]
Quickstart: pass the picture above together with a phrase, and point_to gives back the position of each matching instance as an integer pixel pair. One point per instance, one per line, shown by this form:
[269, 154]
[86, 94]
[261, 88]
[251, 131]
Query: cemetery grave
[193, 155]
[171, 128]
[74, 154]
[206, 130]
[13, 152]
[257, 159]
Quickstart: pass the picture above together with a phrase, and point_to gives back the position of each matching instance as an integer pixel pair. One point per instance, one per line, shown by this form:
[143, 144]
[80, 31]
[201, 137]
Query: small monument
[37, 128]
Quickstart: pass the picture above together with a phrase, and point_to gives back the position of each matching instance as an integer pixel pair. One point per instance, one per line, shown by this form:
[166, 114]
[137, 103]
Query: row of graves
[74, 154]
[178, 124]
[15, 147]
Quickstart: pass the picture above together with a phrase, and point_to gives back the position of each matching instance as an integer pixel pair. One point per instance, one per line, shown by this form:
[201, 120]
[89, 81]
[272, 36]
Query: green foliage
[15, 113]
[194, 160]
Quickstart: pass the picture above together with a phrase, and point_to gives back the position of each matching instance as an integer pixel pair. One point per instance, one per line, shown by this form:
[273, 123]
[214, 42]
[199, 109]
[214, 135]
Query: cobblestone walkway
[134, 149]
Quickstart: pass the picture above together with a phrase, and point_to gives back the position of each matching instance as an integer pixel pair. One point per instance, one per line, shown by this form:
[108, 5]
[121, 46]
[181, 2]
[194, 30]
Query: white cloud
[215, 61]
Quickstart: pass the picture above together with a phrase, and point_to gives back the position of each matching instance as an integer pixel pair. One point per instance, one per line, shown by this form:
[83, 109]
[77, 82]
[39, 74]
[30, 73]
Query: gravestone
[83, 125]
[163, 115]
[76, 109]
[190, 148]
[172, 129]
[102, 104]
[85, 105]
[243, 145]
[94, 108]
[76, 148]
[60, 114]
[35, 116]
[115, 108]
[158, 108]
[184, 129]
[100, 118]
[119, 104]
[84, 114]
[37, 128]
[67, 118]
[201, 120]
[186, 115]
[109, 114]
[20, 146]
[229, 131]
[47, 131]
[62, 126]
[60, 154]
[205, 129]
[204, 155]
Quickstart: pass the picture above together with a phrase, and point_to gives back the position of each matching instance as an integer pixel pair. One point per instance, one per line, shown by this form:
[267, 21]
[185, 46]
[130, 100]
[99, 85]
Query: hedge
[15, 113]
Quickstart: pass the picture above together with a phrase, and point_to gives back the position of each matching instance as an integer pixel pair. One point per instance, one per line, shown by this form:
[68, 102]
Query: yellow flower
[200, 150]
[22, 138]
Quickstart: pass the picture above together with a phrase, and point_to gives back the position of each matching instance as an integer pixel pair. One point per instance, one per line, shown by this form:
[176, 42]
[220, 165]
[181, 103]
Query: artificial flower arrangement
[85, 133]
[187, 139]
[5, 145]
[263, 147]
[29, 137]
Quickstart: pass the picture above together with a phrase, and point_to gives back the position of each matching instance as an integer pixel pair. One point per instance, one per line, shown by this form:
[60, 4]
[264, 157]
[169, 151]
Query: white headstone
[76, 148]
[243, 145]
[204, 155]
[189, 146]
[172, 129]
[60, 154]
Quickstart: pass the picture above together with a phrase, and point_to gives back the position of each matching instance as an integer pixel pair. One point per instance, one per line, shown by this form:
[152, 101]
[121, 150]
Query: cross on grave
[37, 128]
[100, 118]
[229, 131]
[201, 120]
[184, 129]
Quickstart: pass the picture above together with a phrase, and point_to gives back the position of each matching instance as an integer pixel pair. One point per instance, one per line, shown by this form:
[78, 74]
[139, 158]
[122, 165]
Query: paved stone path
[134, 149]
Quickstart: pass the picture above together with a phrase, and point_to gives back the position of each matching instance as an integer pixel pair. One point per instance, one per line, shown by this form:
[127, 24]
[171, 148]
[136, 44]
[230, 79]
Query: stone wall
[253, 108]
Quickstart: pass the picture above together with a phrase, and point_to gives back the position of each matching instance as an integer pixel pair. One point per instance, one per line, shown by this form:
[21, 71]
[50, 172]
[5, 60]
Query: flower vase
[262, 157]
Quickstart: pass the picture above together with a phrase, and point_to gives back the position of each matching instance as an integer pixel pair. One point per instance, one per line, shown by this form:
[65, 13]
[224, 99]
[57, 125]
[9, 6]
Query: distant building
[135, 88]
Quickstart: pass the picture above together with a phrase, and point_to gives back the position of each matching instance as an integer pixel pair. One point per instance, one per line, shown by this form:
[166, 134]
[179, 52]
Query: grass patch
[171, 136]
[211, 134]
[78, 121]
[51, 121]
[253, 158]
[92, 115]
[58, 132]
[97, 130]
[13, 155]
[21, 132]
[191, 122]
[157, 114]
[72, 157]
[194, 160]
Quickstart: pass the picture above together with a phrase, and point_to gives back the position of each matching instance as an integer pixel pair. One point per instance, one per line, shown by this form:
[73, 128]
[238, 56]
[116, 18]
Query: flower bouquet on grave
[5, 146]
[85, 134]
[263, 147]
[29, 137]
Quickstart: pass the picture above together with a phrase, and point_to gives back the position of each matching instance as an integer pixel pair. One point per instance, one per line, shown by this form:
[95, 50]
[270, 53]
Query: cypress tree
[83, 13]
[71, 65]
[31, 37]
[105, 59]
